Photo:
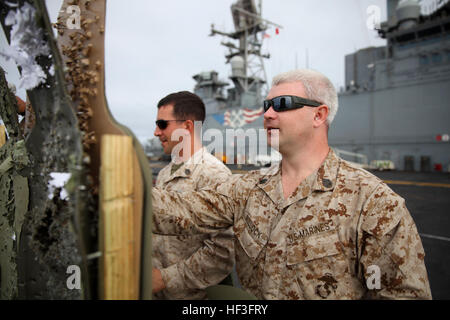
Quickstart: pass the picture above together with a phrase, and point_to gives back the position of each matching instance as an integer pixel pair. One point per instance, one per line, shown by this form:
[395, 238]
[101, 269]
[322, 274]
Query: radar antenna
[250, 29]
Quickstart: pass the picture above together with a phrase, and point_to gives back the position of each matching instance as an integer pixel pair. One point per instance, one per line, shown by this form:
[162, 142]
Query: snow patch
[51, 71]
[27, 43]
[58, 180]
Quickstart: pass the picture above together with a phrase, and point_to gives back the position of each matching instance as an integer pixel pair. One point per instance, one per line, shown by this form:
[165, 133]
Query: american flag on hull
[251, 115]
[238, 117]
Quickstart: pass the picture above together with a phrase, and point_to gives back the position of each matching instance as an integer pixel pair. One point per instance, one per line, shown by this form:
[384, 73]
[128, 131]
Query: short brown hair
[186, 106]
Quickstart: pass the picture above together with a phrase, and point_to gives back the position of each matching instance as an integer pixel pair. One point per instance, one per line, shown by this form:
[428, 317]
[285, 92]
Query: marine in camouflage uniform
[341, 234]
[189, 263]
[318, 243]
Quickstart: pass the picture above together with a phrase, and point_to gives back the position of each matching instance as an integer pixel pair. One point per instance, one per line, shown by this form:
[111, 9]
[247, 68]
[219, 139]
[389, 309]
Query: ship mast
[248, 72]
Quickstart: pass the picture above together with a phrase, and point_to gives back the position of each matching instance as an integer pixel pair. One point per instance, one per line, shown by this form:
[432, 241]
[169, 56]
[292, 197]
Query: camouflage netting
[10, 181]
[48, 188]
[41, 227]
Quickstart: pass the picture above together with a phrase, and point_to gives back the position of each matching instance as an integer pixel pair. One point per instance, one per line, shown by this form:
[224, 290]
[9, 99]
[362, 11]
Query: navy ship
[238, 114]
[395, 105]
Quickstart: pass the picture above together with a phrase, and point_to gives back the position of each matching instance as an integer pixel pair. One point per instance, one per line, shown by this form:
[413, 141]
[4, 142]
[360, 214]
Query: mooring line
[420, 184]
[434, 237]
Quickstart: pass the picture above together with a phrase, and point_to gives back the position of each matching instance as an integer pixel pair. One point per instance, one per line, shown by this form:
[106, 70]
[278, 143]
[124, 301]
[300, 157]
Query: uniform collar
[270, 183]
[323, 179]
[189, 166]
[326, 175]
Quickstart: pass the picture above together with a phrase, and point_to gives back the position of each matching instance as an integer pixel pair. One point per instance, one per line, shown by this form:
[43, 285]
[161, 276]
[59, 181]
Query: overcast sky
[154, 47]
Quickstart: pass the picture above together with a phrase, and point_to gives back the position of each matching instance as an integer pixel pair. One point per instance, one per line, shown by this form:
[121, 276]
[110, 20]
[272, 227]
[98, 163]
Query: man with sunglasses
[186, 265]
[314, 226]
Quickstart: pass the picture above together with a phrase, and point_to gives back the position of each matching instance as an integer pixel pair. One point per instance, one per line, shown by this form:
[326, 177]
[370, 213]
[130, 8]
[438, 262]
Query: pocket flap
[251, 247]
[314, 247]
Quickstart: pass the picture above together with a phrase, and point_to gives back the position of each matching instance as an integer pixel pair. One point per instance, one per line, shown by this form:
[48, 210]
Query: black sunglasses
[285, 103]
[162, 124]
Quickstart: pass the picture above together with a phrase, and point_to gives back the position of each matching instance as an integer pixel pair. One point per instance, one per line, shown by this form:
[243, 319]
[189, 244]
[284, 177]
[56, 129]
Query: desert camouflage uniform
[321, 243]
[190, 263]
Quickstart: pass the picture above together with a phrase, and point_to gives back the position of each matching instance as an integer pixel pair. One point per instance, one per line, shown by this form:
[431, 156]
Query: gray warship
[394, 110]
[396, 102]
[240, 111]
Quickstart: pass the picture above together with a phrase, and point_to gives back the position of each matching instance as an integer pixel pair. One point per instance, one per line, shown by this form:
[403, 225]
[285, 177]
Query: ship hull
[406, 125]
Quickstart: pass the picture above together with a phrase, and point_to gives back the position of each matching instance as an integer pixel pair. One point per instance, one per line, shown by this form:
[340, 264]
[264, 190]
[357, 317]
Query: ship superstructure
[241, 108]
[396, 102]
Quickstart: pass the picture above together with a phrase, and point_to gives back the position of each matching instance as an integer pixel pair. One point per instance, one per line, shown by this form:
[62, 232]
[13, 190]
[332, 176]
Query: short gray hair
[317, 86]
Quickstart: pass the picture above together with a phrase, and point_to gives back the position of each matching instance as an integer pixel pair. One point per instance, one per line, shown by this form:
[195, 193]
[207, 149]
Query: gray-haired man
[314, 226]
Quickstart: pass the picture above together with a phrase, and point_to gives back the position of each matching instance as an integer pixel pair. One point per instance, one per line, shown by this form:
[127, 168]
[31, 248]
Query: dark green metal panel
[224, 292]
[49, 229]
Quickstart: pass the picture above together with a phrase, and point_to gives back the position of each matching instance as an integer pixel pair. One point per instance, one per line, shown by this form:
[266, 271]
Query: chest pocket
[180, 184]
[314, 247]
[252, 238]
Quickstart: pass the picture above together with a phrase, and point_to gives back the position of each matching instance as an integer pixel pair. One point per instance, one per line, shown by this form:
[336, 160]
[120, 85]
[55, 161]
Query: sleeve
[208, 266]
[212, 262]
[202, 211]
[391, 253]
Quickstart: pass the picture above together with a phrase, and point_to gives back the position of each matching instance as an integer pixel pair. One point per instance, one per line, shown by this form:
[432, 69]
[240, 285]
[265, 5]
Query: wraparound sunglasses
[162, 124]
[285, 103]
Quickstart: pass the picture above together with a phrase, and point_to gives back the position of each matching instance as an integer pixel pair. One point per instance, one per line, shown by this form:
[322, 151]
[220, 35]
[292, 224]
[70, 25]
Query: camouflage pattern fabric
[323, 242]
[191, 263]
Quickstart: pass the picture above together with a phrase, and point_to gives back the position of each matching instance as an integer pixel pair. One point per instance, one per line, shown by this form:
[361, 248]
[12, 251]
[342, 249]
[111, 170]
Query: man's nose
[270, 114]
[157, 132]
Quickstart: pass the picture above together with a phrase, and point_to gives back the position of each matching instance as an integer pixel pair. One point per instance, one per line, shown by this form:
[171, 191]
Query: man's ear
[189, 125]
[320, 115]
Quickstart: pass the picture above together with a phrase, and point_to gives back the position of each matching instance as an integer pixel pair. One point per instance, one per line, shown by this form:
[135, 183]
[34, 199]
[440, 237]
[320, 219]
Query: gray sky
[154, 47]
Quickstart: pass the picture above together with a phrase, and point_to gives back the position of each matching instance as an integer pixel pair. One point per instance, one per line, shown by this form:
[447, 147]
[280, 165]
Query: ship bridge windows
[433, 58]
[447, 27]
[436, 57]
[406, 37]
[424, 33]
[430, 32]
[424, 60]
